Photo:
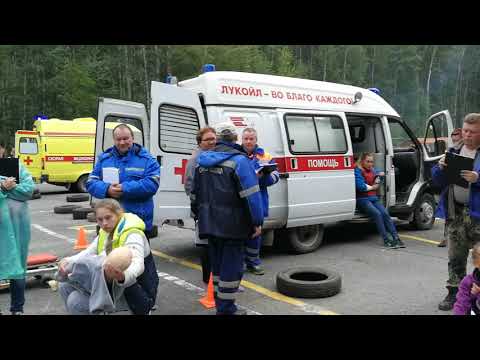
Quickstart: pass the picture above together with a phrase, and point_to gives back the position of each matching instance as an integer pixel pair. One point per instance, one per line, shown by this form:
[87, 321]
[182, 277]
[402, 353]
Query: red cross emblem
[181, 170]
[28, 160]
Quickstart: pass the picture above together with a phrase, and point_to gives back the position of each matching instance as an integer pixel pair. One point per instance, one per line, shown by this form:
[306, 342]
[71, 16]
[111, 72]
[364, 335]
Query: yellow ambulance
[59, 152]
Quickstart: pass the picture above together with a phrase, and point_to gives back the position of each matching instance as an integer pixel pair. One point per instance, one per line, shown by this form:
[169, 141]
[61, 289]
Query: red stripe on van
[314, 163]
[75, 159]
[26, 132]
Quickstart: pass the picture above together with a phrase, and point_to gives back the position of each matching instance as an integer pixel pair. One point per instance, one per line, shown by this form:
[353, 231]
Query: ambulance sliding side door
[320, 168]
[176, 115]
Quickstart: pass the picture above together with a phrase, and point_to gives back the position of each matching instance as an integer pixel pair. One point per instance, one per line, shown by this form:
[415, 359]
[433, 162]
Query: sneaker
[389, 245]
[400, 243]
[238, 312]
[17, 313]
[442, 243]
[255, 269]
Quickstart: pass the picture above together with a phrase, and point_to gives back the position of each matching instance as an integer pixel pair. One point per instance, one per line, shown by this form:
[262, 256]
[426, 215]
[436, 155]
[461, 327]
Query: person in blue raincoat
[139, 176]
[15, 230]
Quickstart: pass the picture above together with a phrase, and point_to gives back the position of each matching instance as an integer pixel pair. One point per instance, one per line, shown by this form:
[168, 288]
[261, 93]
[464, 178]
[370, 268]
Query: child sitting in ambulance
[367, 182]
[468, 295]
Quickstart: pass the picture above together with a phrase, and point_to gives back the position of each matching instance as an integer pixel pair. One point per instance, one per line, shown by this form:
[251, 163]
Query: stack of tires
[78, 212]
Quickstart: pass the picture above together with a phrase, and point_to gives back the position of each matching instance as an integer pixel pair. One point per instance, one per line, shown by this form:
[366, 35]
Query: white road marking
[53, 233]
[193, 288]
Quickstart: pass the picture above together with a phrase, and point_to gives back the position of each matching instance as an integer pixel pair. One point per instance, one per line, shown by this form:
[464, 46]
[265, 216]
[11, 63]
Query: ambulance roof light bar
[375, 90]
[208, 68]
[40, 116]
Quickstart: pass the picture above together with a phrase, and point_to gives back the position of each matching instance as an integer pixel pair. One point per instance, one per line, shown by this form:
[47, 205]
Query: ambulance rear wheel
[305, 239]
[81, 184]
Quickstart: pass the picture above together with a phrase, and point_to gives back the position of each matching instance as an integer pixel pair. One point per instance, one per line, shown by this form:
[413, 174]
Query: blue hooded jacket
[226, 196]
[139, 175]
[439, 179]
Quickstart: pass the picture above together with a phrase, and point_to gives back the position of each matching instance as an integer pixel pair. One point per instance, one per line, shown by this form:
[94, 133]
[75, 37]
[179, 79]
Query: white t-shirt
[461, 194]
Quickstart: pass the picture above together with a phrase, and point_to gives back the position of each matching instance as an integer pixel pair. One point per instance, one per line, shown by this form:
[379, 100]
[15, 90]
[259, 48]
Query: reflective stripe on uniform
[274, 176]
[252, 250]
[216, 278]
[252, 258]
[94, 177]
[249, 191]
[227, 296]
[229, 163]
[156, 178]
[229, 284]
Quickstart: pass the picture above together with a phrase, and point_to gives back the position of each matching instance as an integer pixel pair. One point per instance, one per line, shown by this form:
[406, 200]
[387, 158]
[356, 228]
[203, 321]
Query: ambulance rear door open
[28, 150]
[319, 167]
[176, 116]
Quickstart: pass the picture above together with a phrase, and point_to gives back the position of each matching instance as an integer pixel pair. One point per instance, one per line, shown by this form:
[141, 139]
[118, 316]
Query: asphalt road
[374, 280]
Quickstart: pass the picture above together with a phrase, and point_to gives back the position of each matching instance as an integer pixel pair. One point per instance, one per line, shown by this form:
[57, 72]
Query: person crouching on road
[227, 202]
[366, 184]
[258, 156]
[206, 140]
[468, 295]
[133, 289]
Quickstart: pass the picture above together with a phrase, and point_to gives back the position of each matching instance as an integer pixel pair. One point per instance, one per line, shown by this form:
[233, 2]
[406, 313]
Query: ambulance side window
[315, 134]
[111, 121]
[178, 127]
[28, 146]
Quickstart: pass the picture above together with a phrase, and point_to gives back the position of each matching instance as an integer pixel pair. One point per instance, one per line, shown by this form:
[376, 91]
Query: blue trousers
[17, 294]
[252, 251]
[226, 258]
[377, 212]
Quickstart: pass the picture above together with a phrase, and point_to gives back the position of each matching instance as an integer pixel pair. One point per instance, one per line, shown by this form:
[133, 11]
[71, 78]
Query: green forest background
[65, 81]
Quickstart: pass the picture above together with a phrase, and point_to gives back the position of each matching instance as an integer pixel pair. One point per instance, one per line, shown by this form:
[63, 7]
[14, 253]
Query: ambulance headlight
[358, 96]
[208, 68]
[375, 90]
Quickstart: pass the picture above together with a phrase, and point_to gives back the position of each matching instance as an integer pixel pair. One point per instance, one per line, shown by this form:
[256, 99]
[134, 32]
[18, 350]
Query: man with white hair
[226, 201]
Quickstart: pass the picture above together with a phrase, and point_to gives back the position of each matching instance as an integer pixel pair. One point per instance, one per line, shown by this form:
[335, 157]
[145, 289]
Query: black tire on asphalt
[305, 239]
[91, 217]
[309, 282]
[64, 209]
[81, 213]
[78, 197]
[424, 213]
[36, 195]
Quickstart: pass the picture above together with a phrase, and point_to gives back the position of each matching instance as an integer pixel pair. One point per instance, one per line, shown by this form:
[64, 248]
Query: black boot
[449, 301]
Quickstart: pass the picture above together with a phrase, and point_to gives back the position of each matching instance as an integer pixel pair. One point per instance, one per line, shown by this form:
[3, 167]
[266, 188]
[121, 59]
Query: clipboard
[266, 168]
[9, 168]
[456, 163]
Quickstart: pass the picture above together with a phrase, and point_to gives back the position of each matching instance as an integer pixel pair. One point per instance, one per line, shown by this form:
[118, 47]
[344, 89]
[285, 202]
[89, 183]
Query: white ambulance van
[312, 128]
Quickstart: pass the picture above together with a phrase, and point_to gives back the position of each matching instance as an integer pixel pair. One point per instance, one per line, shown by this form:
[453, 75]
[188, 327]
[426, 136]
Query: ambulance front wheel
[424, 214]
[305, 239]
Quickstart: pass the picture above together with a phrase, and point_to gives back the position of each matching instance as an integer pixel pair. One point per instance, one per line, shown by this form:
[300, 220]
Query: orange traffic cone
[208, 300]
[81, 242]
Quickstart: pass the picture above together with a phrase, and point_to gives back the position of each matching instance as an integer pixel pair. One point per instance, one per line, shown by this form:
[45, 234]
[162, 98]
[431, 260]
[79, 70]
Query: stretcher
[40, 266]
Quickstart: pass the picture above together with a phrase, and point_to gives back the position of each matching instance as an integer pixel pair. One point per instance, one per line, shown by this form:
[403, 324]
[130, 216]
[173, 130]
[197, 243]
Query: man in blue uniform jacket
[227, 202]
[138, 174]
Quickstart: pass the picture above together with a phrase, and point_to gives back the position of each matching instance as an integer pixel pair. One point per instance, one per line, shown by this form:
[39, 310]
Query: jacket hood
[223, 151]
[130, 221]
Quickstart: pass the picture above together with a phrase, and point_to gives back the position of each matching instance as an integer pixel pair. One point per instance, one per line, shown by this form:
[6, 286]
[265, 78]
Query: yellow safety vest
[128, 224]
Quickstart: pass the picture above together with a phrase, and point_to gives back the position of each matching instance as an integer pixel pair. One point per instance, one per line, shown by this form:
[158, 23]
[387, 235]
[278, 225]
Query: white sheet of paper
[110, 175]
